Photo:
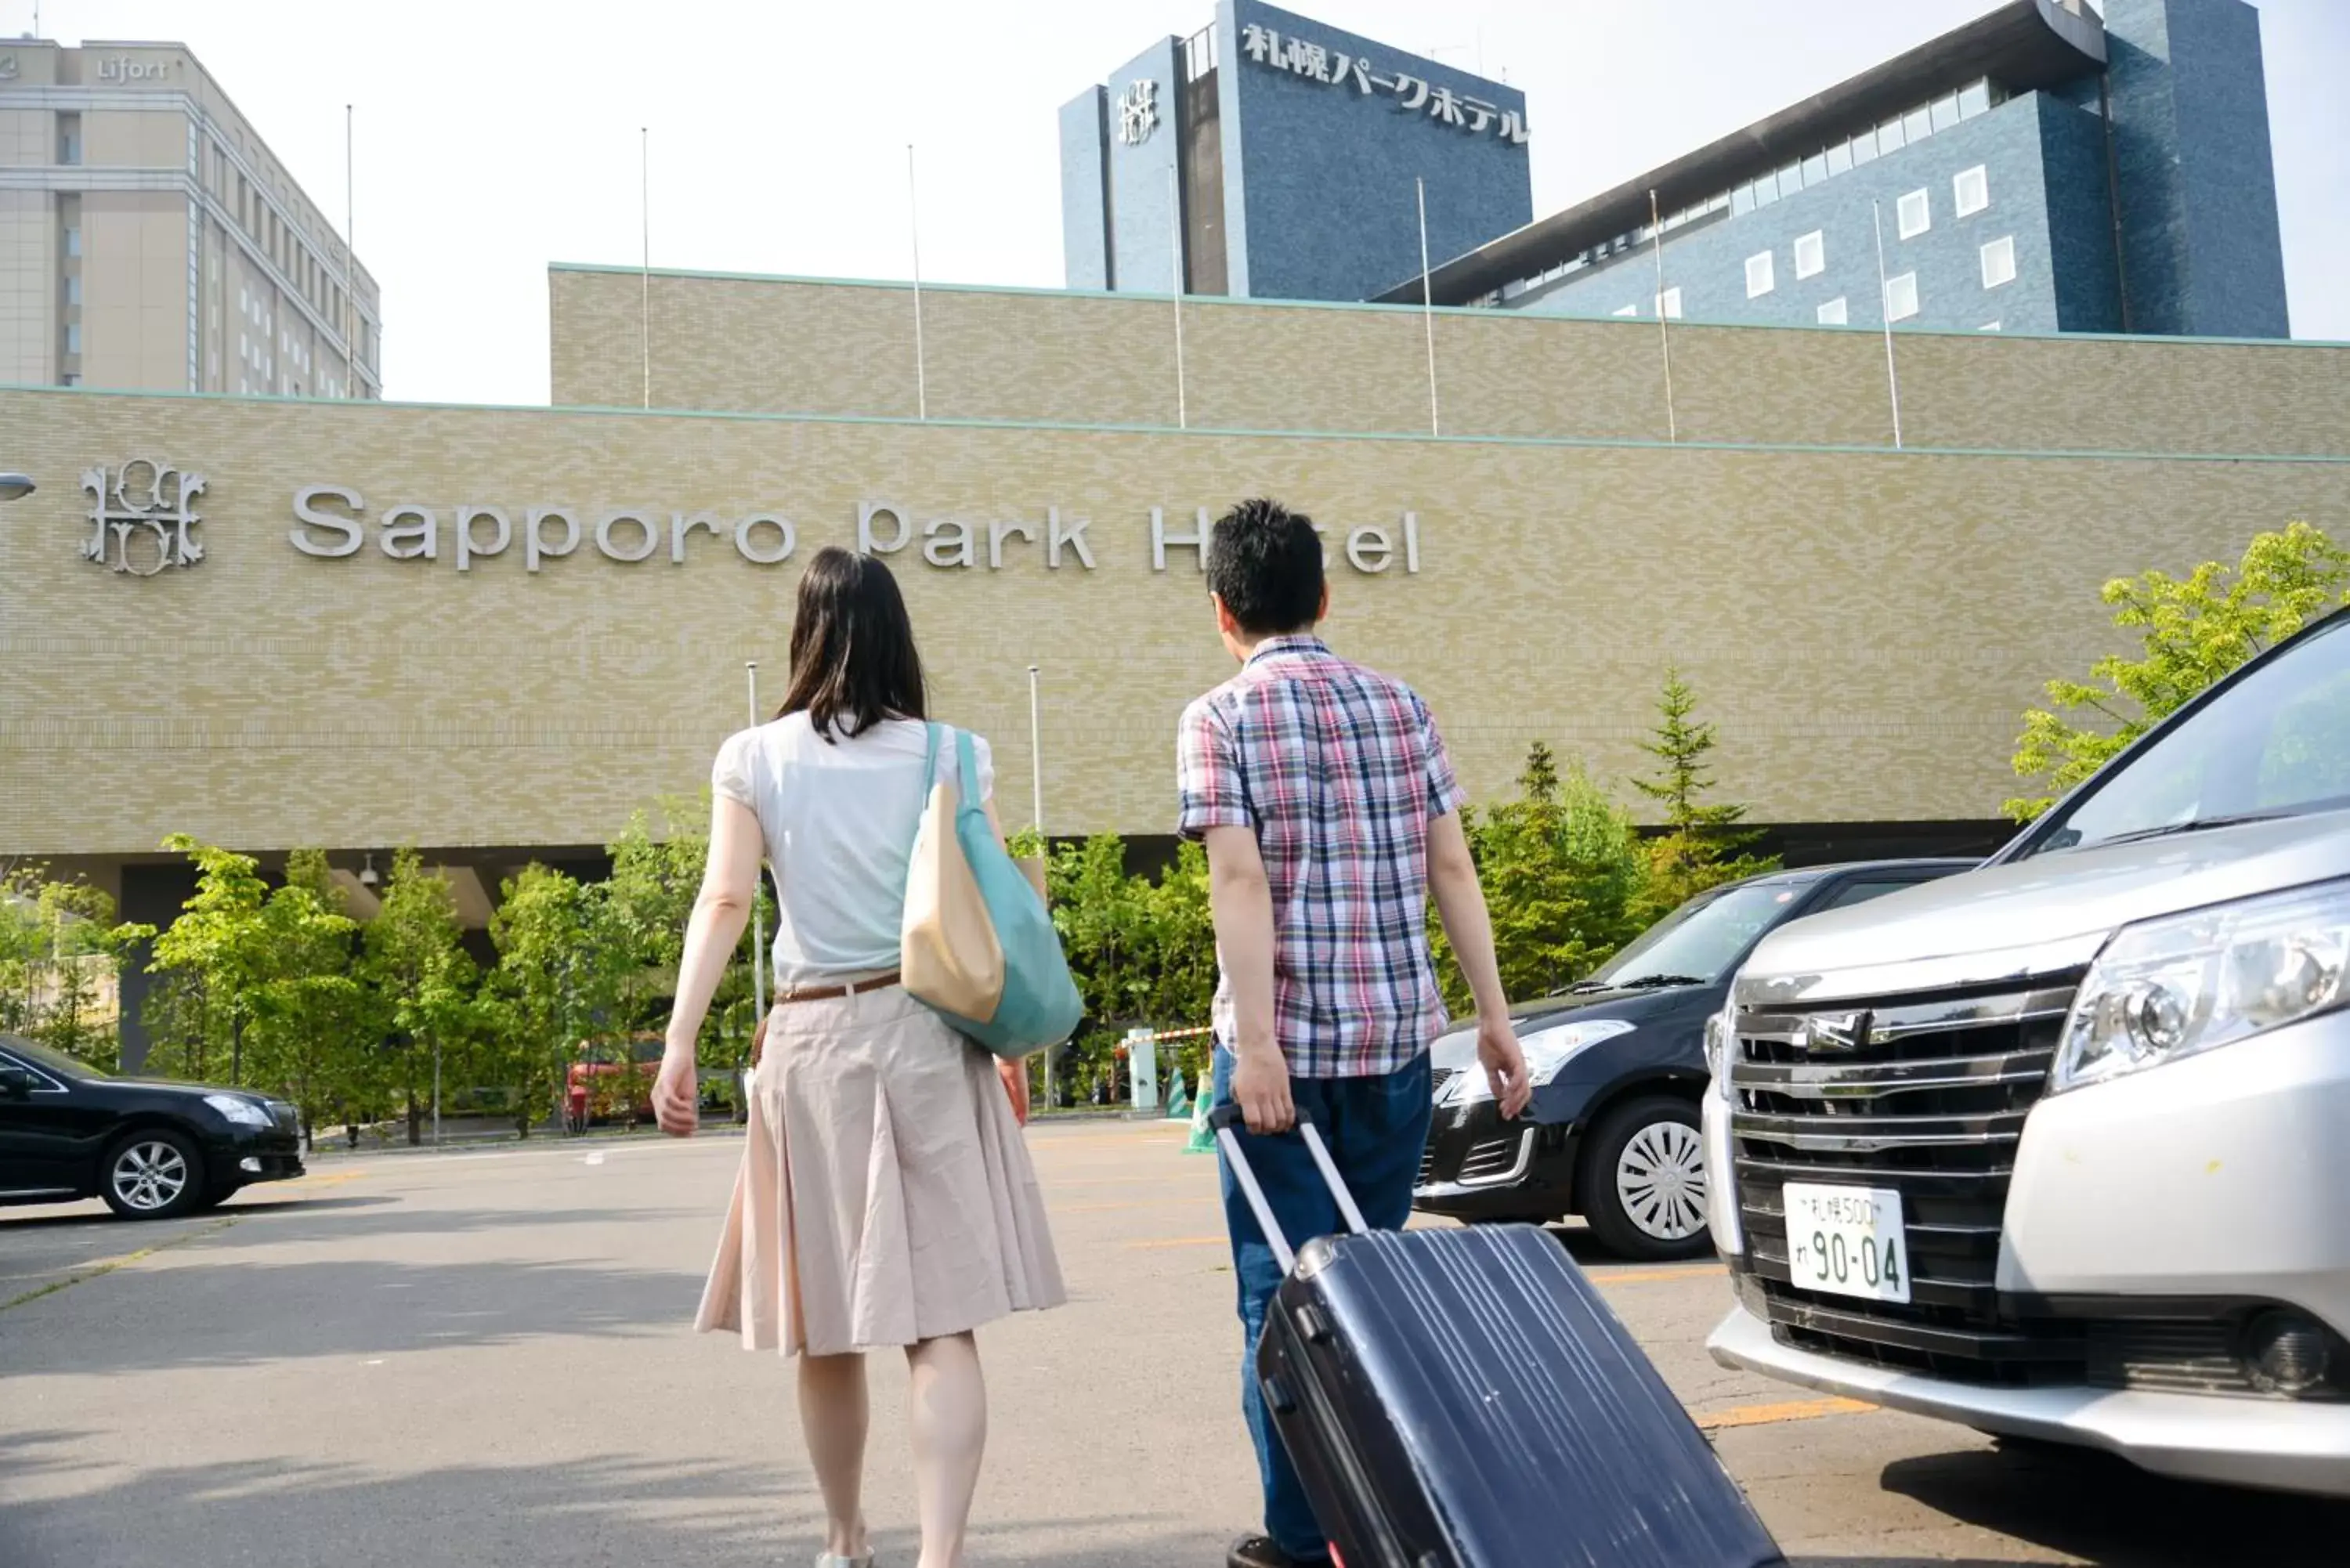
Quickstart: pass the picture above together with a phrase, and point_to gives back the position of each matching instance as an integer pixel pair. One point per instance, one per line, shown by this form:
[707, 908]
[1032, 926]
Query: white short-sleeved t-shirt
[839, 819]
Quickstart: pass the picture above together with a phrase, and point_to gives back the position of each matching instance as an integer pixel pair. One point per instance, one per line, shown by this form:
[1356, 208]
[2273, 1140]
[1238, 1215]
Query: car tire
[1643, 1181]
[153, 1174]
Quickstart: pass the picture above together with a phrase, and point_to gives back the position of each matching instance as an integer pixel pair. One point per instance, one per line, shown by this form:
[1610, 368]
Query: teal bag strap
[968, 803]
[922, 804]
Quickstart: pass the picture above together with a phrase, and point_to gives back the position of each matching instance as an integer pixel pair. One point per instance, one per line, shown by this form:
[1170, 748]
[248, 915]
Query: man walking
[1330, 813]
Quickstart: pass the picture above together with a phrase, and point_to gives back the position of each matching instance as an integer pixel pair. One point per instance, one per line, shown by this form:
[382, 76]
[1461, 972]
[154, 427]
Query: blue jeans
[1375, 1129]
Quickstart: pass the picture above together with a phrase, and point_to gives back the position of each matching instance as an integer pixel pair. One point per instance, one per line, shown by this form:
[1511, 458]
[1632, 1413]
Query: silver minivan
[2060, 1147]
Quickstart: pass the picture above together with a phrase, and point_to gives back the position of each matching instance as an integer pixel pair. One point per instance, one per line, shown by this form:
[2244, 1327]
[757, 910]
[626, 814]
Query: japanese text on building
[1413, 95]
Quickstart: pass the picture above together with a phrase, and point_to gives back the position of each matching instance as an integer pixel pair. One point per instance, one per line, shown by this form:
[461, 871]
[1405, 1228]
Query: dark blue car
[1618, 1064]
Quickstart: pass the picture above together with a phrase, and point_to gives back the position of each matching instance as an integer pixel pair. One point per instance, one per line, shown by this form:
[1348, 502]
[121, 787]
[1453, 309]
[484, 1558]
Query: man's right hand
[1261, 1089]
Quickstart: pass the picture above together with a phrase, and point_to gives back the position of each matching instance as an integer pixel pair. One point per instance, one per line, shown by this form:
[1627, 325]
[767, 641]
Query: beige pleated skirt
[886, 1195]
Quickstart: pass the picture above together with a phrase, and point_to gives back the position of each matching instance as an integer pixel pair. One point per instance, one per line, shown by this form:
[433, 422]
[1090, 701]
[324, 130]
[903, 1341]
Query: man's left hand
[1504, 1064]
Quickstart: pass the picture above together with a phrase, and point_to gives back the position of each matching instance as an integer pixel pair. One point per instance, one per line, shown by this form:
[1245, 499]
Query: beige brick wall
[1865, 626]
[772, 346]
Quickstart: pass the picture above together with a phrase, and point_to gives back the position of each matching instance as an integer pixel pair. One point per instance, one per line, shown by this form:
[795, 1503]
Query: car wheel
[153, 1174]
[1643, 1181]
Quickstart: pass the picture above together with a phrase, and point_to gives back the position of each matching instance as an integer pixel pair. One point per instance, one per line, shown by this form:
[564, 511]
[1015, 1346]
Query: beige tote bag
[951, 959]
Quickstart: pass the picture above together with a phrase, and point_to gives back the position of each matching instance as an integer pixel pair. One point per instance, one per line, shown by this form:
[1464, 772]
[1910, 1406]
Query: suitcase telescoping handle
[1227, 1121]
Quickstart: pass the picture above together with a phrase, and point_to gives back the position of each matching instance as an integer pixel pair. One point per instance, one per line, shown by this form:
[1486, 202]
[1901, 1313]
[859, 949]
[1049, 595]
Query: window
[1628, 310]
[1834, 312]
[1766, 189]
[1864, 149]
[1946, 113]
[73, 291]
[1759, 278]
[1901, 296]
[73, 336]
[1974, 99]
[1889, 138]
[1791, 180]
[1916, 124]
[1852, 893]
[1811, 254]
[73, 240]
[1970, 191]
[1668, 303]
[1999, 262]
[1917, 215]
[70, 379]
[1815, 168]
[68, 138]
[1840, 157]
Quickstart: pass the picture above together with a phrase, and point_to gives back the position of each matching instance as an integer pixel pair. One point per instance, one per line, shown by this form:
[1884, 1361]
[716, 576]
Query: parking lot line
[1647, 1276]
[1787, 1410]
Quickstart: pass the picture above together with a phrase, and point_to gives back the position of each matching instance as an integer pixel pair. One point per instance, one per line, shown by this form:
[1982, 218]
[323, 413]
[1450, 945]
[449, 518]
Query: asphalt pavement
[484, 1357]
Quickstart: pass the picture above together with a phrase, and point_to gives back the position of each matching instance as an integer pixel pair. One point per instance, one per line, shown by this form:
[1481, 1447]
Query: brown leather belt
[826, 993]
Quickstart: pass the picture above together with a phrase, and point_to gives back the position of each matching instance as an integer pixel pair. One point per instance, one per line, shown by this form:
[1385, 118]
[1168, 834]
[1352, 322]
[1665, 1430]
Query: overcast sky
[496, 136]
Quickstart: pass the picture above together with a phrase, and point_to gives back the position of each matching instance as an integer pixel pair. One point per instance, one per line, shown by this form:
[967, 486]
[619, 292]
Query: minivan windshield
[2276, 744]
[1697, 943]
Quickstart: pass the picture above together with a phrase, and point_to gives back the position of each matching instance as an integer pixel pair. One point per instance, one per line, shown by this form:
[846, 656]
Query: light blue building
[1271, 156]
[2042, 169]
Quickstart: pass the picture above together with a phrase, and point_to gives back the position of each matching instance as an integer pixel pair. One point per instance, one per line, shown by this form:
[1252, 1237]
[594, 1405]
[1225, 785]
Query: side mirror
[16, 1084]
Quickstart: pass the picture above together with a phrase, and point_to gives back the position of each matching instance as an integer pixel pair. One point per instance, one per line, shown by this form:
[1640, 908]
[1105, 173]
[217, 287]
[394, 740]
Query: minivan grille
[1926, 1095]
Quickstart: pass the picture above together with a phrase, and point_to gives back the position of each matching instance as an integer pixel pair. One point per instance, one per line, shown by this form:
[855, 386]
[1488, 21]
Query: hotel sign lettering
[332, 522]
[1413, 95]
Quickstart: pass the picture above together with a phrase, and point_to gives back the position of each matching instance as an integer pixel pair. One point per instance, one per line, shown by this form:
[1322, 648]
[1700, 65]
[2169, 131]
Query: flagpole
[645, 290]
[1427, 306]
[1175, 233]
[914, 226]
[1885, 309]
[1036, 809]
[350, 266]
[1664, 338]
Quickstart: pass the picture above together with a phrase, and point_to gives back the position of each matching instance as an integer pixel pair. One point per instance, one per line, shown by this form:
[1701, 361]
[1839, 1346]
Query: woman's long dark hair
[853, 657]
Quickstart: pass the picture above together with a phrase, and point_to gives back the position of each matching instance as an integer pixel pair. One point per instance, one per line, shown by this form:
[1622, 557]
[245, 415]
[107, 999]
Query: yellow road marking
[326, 1178]
[1790, 1410]
[1647, 1276]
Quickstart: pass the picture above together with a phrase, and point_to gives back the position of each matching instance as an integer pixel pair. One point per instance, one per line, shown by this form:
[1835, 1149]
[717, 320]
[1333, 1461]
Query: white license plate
[1847, 1240]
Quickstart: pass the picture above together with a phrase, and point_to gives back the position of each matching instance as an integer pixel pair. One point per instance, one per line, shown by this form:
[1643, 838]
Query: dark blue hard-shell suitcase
[1462, 1398]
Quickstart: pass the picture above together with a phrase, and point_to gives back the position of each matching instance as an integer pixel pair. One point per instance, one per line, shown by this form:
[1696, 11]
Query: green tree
[311, 1031]
[1700, 846]
[1561, 869]
[61, 956]
[2191, 631]
[552, 978]
[417, 965]
[216, 955]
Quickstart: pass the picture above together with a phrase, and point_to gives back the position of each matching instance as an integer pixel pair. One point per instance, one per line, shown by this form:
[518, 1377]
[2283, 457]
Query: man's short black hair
[1264, 562]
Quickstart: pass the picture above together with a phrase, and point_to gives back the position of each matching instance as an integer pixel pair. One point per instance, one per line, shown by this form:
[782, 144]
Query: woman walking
[886, 1197]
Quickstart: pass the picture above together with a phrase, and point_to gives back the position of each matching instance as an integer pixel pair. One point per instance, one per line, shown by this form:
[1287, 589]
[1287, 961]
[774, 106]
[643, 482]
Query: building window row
[1976, 98]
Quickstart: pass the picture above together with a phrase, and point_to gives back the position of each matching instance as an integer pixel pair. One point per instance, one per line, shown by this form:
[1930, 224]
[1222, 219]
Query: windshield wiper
[1648, 983]
[2192, 824]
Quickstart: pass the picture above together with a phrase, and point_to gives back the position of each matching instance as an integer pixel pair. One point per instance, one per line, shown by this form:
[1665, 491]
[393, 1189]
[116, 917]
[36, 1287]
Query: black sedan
[153, 1148]
[1618, 1064]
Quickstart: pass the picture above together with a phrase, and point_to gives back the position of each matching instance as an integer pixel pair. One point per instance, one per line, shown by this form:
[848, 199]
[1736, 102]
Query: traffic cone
[1202, 1141]
[1179, 1100]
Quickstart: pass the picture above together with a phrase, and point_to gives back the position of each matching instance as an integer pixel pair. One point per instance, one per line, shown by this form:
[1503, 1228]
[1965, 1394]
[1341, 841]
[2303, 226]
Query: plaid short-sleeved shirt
[1339, 771]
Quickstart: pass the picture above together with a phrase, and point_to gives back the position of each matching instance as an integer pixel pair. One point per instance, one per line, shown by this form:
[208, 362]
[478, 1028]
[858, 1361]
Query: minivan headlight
[2169, 988]
[1546, 1051]
[1719, 1031]
[238, 1109]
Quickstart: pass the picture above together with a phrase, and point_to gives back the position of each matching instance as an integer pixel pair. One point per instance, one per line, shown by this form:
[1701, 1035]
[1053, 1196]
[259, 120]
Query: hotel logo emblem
[143, 517]
[1138, 111]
